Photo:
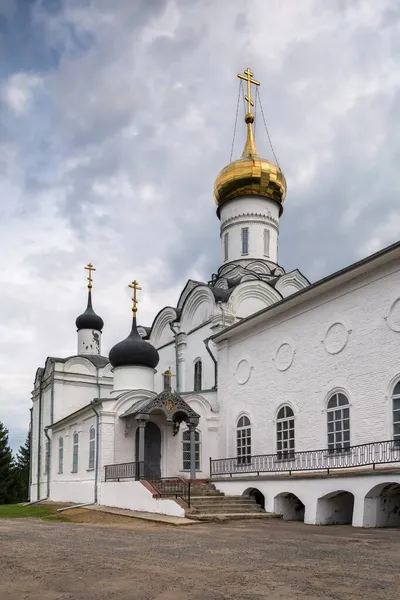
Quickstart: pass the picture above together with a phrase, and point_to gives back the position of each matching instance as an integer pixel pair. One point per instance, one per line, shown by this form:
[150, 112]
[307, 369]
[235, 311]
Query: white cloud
[18, 91]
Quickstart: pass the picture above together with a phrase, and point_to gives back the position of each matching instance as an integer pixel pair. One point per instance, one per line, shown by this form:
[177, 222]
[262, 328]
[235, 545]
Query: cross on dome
[248, 76]
[89, 267]
[135, 287]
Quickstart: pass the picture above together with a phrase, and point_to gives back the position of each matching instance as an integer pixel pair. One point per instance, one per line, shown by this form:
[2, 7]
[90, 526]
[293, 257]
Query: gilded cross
[248, 76]
[168, 376]
[90, 268]
[135, 287]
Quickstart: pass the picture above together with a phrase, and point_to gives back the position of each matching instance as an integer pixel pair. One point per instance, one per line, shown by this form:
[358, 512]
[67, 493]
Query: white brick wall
[364, 369]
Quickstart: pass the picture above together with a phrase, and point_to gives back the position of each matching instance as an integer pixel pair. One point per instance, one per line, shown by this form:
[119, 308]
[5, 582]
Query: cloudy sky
[115, 118]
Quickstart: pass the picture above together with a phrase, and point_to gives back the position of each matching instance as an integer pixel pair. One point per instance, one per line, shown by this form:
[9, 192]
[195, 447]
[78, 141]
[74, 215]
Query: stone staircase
[208, 504]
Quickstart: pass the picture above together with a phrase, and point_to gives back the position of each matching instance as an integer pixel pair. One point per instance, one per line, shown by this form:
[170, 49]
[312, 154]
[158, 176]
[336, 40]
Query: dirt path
[243, 560]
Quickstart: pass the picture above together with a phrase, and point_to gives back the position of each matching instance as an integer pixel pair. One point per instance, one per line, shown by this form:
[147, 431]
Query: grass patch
[17, 511]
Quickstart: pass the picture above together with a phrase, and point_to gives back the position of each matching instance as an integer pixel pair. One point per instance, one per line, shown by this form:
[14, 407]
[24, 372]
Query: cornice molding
[249, 218]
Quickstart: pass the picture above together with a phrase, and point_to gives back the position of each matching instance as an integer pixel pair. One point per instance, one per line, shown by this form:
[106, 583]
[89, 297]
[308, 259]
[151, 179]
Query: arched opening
[335, 508]
[289, 506]
[382, 506]
[256, 495]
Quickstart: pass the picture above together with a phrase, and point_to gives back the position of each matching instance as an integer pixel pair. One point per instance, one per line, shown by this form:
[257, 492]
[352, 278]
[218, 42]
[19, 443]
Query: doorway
[152, 447]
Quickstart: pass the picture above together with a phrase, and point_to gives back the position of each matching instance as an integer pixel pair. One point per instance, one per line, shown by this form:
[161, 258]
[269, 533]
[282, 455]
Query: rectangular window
[226, 246]
[245, 240]
[266, 242]
[186, 450]
[60, 454]
[75, 453]
[92, 447]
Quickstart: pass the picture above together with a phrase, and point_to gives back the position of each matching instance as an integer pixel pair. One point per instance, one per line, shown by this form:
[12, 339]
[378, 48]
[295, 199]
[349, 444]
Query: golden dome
[250, 175]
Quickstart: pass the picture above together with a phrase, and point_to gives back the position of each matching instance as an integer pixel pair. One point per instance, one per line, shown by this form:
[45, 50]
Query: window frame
[60, 455]
[395, 396]
[226, 246]
[186, 449]
[243, 440]
[75, 452]
[336, 425]
[92, 448]
[245, 235]
[267, 240]
[285, 448]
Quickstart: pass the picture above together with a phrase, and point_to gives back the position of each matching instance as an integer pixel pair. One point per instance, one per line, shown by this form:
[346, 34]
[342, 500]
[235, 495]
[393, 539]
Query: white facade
[265, 366]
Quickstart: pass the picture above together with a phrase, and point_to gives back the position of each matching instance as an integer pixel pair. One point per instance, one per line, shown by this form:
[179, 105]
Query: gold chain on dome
[135, 287]
[90, 268]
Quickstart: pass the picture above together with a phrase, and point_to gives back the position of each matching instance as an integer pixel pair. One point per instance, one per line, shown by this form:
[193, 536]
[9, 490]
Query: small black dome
[134, 351]
[89, 319]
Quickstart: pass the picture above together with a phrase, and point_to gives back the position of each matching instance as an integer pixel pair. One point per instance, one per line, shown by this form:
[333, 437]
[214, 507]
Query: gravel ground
[132, 559]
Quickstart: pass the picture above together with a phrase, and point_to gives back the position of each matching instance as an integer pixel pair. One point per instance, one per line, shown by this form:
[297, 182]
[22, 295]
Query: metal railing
[374, 453]
[164, 486]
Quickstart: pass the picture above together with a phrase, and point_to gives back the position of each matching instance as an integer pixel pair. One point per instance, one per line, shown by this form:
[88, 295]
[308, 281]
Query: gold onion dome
[250, 175]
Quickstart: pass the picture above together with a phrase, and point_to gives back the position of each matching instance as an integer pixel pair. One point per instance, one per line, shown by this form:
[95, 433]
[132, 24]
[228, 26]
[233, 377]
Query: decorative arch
[381, 505]
[290, 283]
[335, 508]
[289, 506]
[189, 287]
[132, 396]
[80, 365]
[107, 371]
[160, 330]
[199, 306]
[251, 296]
[202, 402]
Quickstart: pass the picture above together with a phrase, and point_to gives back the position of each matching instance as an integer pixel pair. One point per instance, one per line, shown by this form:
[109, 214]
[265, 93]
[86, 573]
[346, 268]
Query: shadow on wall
[382, 506]
[289, 506]
[335, 508]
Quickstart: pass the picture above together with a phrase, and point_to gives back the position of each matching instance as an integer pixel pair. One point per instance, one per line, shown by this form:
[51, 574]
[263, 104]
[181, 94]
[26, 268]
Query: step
[228, 499]
[221, 518]
[229, 509]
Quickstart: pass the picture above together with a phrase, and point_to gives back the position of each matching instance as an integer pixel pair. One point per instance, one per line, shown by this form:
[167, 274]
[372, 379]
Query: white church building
[281, 394]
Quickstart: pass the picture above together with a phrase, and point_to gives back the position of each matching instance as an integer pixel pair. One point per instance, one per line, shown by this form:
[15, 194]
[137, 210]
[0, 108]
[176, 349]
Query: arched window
[186, 449]
[243, 440]
[338, 415]
[285, 433]
[75, 453]
[92, 447]
[60, 454]
[197, 375]
[396, 412]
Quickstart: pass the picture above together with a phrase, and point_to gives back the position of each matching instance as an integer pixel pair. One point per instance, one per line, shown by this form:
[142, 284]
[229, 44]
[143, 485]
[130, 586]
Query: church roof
[95, 359]
[365, 265]
[171, 403]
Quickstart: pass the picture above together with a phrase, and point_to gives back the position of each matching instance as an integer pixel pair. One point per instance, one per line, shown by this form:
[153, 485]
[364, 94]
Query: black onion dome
[89, 319]
[133, 351]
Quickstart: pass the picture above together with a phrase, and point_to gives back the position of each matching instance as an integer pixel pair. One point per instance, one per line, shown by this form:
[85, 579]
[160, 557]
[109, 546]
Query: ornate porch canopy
[170, 403]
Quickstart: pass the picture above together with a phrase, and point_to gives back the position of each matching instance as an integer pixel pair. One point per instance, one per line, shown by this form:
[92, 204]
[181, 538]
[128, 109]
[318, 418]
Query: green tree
[23, 468]
[8, 476]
